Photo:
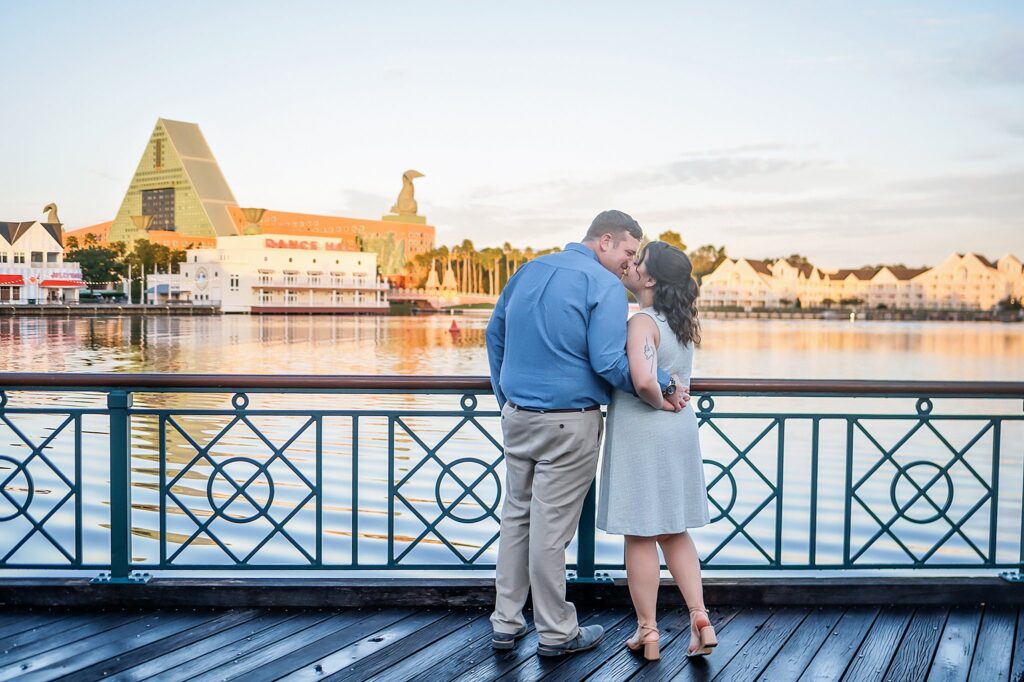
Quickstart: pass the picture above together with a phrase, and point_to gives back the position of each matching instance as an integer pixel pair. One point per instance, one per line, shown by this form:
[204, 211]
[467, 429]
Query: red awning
[59, 283]
[12, 280]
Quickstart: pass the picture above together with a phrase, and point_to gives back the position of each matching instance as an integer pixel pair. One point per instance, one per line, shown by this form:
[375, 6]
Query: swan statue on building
[406, 204]
[51, 217]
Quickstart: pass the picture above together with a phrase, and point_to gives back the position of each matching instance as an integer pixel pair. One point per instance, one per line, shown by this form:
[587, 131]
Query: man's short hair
[615, 223]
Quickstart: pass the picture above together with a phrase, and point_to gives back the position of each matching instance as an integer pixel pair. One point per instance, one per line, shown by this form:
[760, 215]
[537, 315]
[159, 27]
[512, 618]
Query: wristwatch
[670, 389]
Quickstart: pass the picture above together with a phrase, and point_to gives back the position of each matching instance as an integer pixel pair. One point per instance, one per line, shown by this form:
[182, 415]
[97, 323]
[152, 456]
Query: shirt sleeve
[606, 342]
[495, 338]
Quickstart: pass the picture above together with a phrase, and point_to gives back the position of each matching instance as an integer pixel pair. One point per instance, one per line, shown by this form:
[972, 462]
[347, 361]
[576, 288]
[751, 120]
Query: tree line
[487, 270]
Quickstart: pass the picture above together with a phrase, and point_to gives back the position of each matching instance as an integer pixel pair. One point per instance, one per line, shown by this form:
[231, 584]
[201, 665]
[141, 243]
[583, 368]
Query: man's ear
[606, 242]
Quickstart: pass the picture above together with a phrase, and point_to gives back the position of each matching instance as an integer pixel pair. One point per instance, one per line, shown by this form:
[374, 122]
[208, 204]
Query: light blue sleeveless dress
[652, 474]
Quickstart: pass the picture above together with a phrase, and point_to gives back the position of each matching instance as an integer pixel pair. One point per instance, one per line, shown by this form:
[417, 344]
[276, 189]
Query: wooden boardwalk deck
[984, 643]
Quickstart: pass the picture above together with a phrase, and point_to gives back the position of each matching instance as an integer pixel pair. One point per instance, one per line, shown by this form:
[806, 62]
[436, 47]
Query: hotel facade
[961, 282]
[32, 266]
[264, 274]
[180, 198]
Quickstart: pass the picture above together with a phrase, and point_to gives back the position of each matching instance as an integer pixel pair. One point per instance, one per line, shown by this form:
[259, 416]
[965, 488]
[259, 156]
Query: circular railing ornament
[240, 473]
[461, 470]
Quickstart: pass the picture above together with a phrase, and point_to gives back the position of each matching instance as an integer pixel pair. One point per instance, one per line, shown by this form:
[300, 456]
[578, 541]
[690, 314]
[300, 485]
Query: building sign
[303, 245]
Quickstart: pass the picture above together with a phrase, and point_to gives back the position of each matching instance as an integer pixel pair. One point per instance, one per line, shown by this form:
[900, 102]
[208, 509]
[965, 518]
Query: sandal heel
[708, 639]
[651, 652]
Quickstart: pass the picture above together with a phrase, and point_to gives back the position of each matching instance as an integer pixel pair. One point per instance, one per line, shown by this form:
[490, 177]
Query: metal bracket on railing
[1012, 576]
[135, 578]
[599, 577]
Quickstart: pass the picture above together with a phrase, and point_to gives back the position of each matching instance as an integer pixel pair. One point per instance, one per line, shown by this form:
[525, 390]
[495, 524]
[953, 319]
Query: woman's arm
[642, 339]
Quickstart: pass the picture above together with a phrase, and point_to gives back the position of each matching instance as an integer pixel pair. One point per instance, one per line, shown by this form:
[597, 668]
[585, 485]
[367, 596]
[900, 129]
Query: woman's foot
[702, 633]
[647, 638]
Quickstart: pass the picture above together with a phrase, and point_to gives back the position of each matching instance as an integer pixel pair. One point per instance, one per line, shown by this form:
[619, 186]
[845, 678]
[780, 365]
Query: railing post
[118, 404]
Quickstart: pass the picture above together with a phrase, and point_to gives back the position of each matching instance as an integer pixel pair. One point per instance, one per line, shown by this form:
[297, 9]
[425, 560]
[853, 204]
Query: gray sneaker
[589, 636]
[507, 640]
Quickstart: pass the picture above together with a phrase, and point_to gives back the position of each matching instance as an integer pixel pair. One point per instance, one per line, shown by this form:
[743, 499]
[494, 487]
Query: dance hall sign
[303, 244]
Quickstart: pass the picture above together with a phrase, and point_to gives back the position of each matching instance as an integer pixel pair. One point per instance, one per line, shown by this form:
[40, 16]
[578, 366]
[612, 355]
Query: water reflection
[425, 345]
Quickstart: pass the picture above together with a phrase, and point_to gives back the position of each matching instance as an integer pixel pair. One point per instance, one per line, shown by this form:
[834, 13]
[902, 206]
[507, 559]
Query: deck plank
[107, 644]
[993, 653]
[21, 622]
[916, 651]
[760, 649]
[181, 656]
[795, 655]
[1017, 667]
[464, 659]
[441, 651]
[732, 636]
[342, 658]
[833, 658]
[215, 622]
[879, 644]
[939, 644]
[373, 621]
[252, 659]
[46, 652]
[952, 661]
[207, 659]
[373, 664]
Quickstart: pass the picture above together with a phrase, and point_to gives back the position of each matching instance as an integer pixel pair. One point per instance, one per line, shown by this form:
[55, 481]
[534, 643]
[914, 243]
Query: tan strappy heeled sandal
[642, 641]
[703, 636]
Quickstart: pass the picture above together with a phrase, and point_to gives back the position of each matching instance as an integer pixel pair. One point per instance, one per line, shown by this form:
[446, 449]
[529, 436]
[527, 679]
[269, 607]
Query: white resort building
[265, 273]
[961, 282]
[32, 267]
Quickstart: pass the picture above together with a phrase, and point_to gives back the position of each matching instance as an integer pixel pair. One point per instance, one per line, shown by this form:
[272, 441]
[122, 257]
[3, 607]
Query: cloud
[762, 205]
[998, 62]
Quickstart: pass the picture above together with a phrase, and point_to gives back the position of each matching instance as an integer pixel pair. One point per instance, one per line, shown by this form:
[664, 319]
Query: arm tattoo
[649, 353]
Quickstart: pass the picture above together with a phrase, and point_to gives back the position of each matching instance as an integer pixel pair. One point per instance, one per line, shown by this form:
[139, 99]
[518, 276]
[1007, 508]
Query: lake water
[804, 349]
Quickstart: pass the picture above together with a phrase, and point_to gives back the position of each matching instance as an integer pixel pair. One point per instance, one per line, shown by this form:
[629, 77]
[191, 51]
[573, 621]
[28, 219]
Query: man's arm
[606, 342]
[496, 345]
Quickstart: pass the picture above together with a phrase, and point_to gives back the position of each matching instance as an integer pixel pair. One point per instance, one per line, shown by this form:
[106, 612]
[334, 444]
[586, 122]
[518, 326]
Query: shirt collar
[576, 246]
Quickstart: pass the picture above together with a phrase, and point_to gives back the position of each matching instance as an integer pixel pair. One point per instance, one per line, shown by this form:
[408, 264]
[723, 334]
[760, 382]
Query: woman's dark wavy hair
[675, 289]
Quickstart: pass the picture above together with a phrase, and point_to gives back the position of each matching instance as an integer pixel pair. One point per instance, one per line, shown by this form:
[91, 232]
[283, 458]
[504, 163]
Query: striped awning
[12, 281]
[62, 283]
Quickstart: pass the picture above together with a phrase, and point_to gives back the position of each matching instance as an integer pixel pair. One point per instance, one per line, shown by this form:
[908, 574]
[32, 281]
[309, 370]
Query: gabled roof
[902, 273]
[985, 261]
[12, 231]
[759, 266]
[55, 231]
[864, 273]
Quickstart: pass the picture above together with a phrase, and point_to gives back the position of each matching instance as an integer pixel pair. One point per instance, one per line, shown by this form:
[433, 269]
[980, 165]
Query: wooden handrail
[393, 383]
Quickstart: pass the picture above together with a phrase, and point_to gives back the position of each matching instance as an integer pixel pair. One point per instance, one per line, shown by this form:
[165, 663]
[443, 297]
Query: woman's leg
[643, 573]
[684, 564]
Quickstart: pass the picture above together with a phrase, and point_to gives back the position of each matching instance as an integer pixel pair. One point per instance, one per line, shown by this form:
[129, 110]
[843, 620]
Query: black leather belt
[588, 408]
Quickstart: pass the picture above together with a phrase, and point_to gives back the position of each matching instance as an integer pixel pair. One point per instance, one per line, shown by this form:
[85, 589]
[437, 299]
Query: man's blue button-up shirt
[557, 337]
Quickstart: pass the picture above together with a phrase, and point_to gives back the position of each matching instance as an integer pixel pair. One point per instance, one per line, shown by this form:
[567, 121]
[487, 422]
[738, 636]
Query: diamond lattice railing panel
[921, 491]
[741, 472]
[234, 495]
[449, 494]
[38, 487]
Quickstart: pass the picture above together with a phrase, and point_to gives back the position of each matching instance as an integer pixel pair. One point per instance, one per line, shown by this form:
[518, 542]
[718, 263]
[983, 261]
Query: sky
[854, 133]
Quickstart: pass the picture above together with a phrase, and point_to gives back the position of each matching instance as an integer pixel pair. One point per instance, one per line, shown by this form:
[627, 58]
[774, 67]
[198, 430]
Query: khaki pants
[550, 462]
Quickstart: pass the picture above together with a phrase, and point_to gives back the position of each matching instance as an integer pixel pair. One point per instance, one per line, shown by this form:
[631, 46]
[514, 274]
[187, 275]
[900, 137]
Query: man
[556, 344]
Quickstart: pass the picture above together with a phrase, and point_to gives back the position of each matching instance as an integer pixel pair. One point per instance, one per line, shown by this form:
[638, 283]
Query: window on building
[3, 257]
[37, 256]
[233, 282]
[159, 203]
[19, 257]
[265, 279]
[52, 256]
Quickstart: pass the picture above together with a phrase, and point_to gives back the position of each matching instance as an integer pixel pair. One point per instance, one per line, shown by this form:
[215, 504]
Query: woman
[652, 477]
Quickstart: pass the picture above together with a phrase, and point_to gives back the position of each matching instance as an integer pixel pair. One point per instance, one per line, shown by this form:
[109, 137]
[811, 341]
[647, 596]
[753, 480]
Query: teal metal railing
[130, 474]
